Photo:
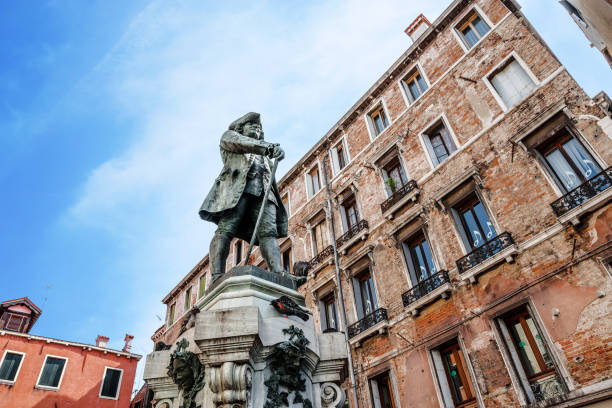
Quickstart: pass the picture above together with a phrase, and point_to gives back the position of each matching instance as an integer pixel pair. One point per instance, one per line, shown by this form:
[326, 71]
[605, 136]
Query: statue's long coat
[238, 153]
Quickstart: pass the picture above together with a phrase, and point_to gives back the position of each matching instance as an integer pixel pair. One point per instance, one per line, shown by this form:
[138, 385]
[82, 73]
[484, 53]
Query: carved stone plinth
[234, 337]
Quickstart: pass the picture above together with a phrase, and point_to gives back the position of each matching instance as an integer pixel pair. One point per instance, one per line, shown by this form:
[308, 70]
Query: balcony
[408, 191]
[320, 257]
[355, 232]
[427, 291]
[368, 324]
[498, 249]
[585, 197]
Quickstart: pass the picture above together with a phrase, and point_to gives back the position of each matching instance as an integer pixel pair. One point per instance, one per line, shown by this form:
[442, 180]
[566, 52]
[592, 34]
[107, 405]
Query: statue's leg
[268, 244]
[219, 250]
[226, 231]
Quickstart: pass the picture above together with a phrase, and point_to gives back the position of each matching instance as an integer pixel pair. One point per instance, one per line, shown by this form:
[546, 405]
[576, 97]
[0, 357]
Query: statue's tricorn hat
[251, 117]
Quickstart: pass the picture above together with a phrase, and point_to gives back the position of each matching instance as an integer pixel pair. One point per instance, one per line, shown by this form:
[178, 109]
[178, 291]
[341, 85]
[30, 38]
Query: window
[472, 29]
[365, 298]
[237, 252]
[378, 119]
[329, 319]
[52, 372]
[285, 200]
[339, 157]
[171, 314]
[349, 213]
[512, 83]
[414, 85]
[418, 258]
[313, 181]
[187, 299]
[453, 376]
[202, 287]
[111, 383]
[382, 392]
[393, 175]
[286, 260]
[568, 161]
[15, 322]
[531, 355]
[439, 143]
[320, 236]
[10, 366]
[475, 225]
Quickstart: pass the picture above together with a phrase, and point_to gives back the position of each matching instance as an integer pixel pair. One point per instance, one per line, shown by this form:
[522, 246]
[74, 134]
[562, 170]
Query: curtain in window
[583, 160]
[512, 83]
[563, 170]
[9, 367]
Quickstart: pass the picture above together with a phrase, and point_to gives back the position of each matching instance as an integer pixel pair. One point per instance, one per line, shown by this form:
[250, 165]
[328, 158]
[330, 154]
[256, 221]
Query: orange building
[37, 372]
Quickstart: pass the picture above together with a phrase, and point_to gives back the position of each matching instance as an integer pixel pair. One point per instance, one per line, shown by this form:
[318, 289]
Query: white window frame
[444, 120]
[118, 385]
[311, 230]
[59, 384]
[322, 312]
[333, 154]
[369, 122]
[421, 229]
[357, 305]
[402, 84]
[513, 55]
[459, 35]
[310, 195]
[23, 356]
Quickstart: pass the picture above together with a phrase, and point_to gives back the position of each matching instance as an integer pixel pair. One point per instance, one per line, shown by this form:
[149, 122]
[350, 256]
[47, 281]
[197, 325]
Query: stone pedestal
[234, 335]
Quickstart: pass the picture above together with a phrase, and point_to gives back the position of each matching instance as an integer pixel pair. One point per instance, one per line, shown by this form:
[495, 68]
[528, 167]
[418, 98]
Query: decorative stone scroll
[231, 385]
[332, 396]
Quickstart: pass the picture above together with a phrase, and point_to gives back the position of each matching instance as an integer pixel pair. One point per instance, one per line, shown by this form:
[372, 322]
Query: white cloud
[184, 72]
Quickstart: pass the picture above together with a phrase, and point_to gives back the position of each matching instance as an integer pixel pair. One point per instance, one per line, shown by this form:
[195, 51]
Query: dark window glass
[394, 171]
[416, 86]
[570, 162]
[341, 157]
[379, 119]
[441, 143]
[10, 365]
[382, 386]
[368, 297]
[315, 184]
[419, 258]
[110, 386]
[286, 258]
[15, 322]
[473, 30]
[475, 222]
[457, 375]
[52, 372]
[238, 252]
[349, 213]
[329, 303]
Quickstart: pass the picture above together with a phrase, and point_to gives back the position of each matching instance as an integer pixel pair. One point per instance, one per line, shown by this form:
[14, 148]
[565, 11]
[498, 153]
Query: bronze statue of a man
[236, 198]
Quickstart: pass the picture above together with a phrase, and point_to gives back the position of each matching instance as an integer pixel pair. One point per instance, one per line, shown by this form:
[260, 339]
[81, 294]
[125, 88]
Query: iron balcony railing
[327, 251]
[377, 316]
[484, 252]
[583, 192]
[398, 195]
[425, 286]
[352, 231]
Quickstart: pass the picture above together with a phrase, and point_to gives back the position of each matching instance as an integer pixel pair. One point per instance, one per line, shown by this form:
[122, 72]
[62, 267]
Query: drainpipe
[339, 280]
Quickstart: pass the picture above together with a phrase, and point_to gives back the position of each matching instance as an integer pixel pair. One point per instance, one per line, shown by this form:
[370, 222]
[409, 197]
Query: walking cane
[261, 210]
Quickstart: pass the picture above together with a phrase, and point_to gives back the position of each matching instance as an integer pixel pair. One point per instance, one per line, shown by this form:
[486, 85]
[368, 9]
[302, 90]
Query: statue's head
[248, 125]
[185, 368]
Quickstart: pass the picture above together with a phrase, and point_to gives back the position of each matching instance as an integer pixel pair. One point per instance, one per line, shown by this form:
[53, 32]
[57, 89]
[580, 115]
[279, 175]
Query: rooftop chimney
[128, 342]
[418, 27]
[101, 341]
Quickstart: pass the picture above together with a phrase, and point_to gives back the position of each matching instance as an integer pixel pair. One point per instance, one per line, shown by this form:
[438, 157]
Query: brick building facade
[41, 372]
[470, 194]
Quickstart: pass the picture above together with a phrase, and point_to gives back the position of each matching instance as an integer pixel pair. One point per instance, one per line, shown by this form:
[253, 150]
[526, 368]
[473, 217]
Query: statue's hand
[278, 153]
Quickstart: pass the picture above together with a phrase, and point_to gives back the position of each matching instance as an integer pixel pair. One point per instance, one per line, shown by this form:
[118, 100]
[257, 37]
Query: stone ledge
[442, 291]
[507, 255]
[378, 328]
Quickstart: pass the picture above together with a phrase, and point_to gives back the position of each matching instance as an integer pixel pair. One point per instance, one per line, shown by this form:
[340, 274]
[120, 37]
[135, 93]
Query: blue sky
[110, 116]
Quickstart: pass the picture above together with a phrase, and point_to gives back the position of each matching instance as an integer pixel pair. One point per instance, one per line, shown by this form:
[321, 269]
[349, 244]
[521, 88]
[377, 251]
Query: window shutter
[322, 315]
[516, 360]
[309, 186]
[344, 218]
[335, 160]
[407, 92]
[430, 150]
[442, 380]
[448, 140]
